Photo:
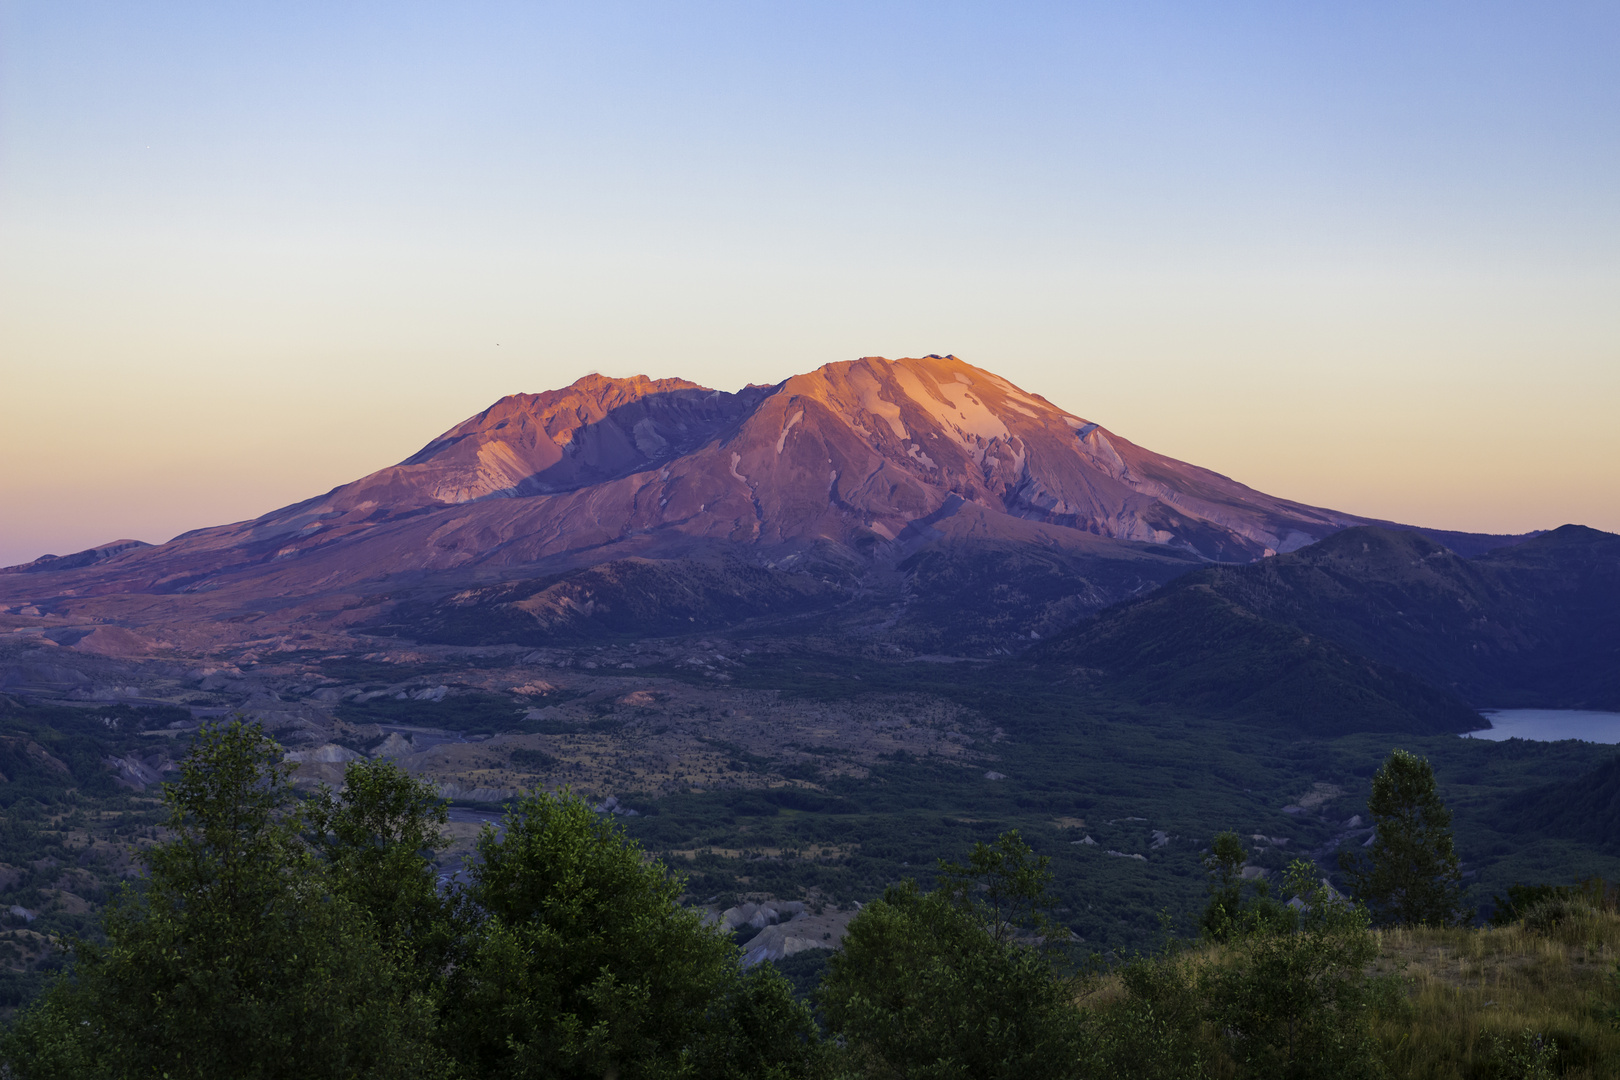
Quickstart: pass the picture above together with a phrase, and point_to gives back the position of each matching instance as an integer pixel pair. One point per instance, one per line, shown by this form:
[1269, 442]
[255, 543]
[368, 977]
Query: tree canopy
[235, 957]
[954, 982]
[277, 939]
[582, 963]
[1411, 874]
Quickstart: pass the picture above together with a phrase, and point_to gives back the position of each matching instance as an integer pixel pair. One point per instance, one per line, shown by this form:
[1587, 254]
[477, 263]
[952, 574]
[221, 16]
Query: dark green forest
[273, 936]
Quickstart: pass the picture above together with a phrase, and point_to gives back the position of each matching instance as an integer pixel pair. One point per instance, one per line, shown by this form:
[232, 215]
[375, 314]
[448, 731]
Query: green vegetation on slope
[1373, 619]
[979, 599]
[277, 940]
[1077, 763]
[267, 941]
[1586, 808]
[68, 830]
[1190, 647]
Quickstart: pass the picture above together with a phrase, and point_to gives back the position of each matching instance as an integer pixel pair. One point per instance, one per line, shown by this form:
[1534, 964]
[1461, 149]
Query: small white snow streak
[782, 441]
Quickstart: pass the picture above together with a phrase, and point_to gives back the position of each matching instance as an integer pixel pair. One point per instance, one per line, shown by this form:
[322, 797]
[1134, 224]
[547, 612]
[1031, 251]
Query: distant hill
[1372, 628]
[87, 557]
[1586, 808]
[1536, 624]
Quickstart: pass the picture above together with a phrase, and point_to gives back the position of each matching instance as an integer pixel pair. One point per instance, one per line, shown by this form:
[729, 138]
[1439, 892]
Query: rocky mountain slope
[840, 475]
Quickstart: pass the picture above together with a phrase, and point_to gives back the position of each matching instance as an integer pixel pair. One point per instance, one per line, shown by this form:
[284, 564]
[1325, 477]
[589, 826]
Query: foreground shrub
[951, 984]
[582, 963]
[1293, 1002]
[1545, 916]
[1283, 993]
[273, 940]
[1156, 1030]
[1594, 894]
[235, 958]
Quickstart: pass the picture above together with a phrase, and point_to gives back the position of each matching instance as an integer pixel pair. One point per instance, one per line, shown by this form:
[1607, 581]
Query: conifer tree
[1411, 875]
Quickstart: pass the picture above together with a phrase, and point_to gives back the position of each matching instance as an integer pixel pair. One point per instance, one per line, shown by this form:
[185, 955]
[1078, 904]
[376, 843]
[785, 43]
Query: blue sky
[1366, 256]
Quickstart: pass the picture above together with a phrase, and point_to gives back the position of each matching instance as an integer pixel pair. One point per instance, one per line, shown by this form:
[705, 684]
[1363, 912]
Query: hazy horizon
[1365, 259]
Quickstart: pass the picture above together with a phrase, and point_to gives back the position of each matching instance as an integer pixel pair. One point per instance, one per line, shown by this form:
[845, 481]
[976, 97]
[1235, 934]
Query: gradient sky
[1361, 255]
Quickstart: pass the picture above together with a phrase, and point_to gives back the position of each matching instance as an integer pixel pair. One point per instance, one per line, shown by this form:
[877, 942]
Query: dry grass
[1471, 991]
[1474, 996]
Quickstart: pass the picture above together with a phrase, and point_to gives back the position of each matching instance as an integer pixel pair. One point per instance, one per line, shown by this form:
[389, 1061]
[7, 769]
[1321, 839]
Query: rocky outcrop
[394, 746]
[783, 927]
[37, 675]
[464, 793]
[138, 772]
[804, 931]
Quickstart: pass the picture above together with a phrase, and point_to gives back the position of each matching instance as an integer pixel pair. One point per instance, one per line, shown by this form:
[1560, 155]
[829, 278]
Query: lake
[1550, 725]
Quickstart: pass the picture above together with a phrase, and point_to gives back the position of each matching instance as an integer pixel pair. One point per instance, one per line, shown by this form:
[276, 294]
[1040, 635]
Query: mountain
[86, 557]
[1369, 628]
[867, 477]
[1586, 808]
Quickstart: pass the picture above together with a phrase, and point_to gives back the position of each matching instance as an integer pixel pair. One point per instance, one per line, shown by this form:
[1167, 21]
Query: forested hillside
[273, 937]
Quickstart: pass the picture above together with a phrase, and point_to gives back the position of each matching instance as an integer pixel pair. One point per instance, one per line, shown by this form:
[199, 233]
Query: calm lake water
[1550, 725]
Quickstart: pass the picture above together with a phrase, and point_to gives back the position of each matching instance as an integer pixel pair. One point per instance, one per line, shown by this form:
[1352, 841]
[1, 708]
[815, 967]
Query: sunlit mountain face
[886, 484]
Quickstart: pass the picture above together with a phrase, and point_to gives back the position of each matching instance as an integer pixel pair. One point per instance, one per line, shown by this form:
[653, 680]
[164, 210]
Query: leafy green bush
[581, 963]
[1553, 904]
[1155, 1032]
[273, 939]
[1528, 1056]
[1283, 994]
[1292, 1001]
[1545, 916]
[235, 959]
[952, 983]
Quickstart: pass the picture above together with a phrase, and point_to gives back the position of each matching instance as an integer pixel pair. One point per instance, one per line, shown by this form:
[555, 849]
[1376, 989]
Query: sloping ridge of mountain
[1586, 808]
[87, 557]
[1535, 624]
[1373, 629]
[862, 466]
[1188, 646]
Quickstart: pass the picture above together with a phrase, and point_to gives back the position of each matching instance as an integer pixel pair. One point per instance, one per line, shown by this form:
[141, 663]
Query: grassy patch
[1477, 994]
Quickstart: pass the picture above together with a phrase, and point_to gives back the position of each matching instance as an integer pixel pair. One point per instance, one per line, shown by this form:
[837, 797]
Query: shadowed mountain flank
[598, 429]
[623, 599]
[1373, 626]
[1586, 808]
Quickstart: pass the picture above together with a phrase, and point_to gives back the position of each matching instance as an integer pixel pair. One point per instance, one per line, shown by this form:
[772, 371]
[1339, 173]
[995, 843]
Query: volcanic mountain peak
[597, 429]
[918, 431]
[853, 452]
[864, 461]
